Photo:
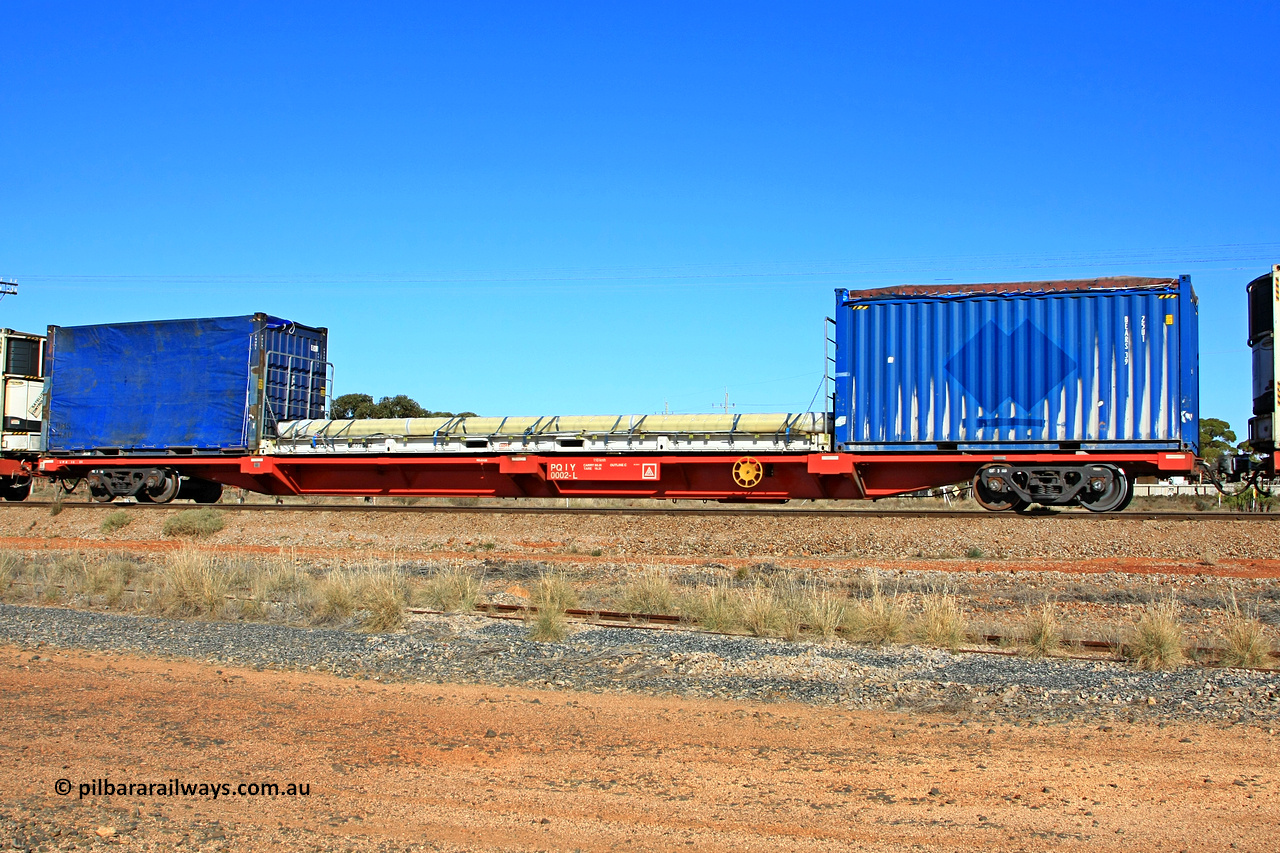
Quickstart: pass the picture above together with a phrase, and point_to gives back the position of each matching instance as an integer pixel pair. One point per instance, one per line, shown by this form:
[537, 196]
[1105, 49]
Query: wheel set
[1097, 488]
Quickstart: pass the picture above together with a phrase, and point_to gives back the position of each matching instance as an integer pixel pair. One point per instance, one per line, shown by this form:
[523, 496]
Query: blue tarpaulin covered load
[202, 385]
[1098, 364]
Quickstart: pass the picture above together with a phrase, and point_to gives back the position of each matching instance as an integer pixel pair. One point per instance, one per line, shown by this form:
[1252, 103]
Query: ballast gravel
[479, 650]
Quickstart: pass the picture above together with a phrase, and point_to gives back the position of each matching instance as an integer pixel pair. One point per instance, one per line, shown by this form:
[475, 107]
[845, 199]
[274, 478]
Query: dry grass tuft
[942, 621]
[1155, 641]
[382, 595]
[825, 612]
[335, 598]
[452, 590]
[761, 612]
[190, 583]
[652, 592]
[554, 592]
[1042, 631]
[11, 566]
[1247, 644]
[878, 618]
[715, 608]
[108, 578]
[547, 626]
[552, 596]
[194, 522]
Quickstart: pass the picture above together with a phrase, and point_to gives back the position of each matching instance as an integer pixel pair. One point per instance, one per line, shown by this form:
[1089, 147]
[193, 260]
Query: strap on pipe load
[808, 423]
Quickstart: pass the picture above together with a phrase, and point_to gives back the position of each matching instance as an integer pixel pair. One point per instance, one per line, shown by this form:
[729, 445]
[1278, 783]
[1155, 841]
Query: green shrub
[194, 522]
[114, 521]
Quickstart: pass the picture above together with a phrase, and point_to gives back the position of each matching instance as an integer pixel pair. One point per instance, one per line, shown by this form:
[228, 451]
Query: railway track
[1002, 644]
[1062, 515]
[993, 644]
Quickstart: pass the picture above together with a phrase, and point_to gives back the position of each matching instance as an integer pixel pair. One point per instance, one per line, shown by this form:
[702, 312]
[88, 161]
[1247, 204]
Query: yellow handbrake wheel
[747, 472]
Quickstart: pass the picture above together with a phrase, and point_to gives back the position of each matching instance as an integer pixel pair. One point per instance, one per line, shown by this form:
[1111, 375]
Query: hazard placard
[603, 468]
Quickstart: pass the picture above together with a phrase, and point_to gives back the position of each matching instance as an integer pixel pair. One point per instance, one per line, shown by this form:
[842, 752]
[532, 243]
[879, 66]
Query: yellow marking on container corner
[1168, 319]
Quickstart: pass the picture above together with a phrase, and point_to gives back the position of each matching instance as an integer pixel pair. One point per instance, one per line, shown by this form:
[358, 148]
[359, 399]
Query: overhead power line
[1175, 259]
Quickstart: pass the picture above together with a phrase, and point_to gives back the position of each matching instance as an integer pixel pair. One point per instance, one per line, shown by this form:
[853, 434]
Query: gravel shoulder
[479, 650]
[1097, 545]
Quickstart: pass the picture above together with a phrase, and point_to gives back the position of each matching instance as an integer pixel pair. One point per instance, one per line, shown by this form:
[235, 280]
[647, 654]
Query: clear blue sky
[581, 208]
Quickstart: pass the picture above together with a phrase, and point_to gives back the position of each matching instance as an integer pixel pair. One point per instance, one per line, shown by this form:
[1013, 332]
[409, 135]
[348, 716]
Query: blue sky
[582, 208]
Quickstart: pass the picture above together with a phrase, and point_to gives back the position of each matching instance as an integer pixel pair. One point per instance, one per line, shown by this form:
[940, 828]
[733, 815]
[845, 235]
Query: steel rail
[1127, 515]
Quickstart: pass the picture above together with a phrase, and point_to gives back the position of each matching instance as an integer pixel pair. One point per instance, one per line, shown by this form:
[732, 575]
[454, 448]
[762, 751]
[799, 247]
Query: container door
[293, 375]
[23, 400]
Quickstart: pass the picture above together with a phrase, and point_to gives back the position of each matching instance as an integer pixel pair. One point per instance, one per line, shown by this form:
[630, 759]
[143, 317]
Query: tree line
[360, 406]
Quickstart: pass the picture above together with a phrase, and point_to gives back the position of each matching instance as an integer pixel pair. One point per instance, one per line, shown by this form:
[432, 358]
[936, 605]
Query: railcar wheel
[160, 486]
[994, 501]
[747, 472]
[199, 490]
[1114, 495]
[1128, 496]
[19, 492]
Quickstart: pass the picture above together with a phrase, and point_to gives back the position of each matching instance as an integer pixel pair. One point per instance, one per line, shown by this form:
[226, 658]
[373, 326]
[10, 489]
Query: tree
[1216, 438]
[400, 406]
[360, 406]
[352, 406]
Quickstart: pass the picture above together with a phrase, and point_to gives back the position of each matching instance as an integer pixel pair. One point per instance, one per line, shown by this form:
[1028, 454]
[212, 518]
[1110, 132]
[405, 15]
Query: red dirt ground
[512, 769]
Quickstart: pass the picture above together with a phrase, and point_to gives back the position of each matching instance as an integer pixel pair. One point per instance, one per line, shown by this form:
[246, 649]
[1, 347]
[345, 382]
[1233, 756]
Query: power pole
[8, 287]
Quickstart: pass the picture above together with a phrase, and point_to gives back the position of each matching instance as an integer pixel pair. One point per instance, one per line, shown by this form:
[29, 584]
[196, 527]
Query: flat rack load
[712, 433]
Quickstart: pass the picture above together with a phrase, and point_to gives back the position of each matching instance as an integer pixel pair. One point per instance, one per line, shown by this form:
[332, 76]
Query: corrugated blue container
[1101, 364]
[181, 386]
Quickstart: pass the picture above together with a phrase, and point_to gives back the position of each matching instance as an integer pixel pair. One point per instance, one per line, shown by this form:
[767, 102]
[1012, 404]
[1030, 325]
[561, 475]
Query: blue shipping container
[205, 385]
[1101, 364]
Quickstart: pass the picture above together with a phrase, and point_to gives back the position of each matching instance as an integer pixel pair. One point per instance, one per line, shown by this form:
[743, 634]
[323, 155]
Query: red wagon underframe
[811, 476]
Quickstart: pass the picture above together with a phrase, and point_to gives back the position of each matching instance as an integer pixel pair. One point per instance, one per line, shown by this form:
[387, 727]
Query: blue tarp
[150, 386]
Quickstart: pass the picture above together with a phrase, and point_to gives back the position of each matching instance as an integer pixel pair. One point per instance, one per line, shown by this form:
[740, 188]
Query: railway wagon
[1058, 393]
